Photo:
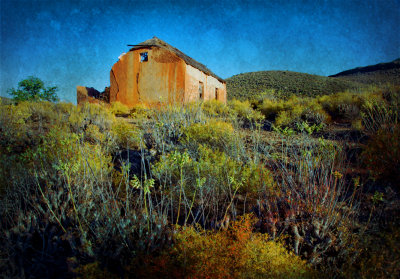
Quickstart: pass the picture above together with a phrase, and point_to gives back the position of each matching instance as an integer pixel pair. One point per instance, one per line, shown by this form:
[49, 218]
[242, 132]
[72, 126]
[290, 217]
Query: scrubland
[291, 187]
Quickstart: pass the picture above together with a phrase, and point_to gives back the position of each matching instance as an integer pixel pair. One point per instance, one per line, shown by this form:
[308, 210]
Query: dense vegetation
[257, 85]
[275, 188]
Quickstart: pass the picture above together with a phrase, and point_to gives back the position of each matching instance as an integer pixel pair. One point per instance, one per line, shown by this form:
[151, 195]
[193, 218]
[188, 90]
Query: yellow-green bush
[234, 253]
[379, 114]
[215, 108]
[213, 172]
[291, 114]
[301, 109]
[140, 111]
[346, 105]
[13, 126]
[66, 153]
[215, 133]
[293, 110]
[87, 114]
[93, 135]
[118, 108]
[221, 171]
[271, 107]
[125, 134]
[244, 111]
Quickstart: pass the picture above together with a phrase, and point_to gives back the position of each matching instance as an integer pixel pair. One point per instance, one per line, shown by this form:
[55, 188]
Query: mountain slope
[253, 85]
[374, 74]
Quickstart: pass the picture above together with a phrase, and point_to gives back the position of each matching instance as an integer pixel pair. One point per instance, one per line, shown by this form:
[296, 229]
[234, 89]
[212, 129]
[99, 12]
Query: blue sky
[69, 43]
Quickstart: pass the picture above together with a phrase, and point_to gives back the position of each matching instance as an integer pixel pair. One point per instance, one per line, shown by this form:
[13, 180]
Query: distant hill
[253, 85]
[374, 74]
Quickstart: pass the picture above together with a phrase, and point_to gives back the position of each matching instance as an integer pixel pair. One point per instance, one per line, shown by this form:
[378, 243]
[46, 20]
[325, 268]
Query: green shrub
[379, 114]
[215, 133]
[344, 106]
[244, 111]
[270, 108]
[126, 136]
[65, 152]
[215, 108]
[140, 111]
[169, 123]
[223, 172]
[13, 119]
[211, 175]
[233, 253]
[118, 108]
[294, 110]
[87, 114]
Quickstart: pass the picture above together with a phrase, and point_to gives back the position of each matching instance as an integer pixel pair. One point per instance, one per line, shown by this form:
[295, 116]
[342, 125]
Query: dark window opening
[144, 57]
[201, 90]
[216, 94]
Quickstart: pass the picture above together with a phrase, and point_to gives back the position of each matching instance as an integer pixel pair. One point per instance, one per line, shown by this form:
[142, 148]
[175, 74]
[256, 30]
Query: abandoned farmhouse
[155, 73]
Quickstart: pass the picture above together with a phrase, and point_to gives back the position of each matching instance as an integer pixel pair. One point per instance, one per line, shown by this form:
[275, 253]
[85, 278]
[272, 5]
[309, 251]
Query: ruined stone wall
[193, 77]
[87, 94]
[160, 79]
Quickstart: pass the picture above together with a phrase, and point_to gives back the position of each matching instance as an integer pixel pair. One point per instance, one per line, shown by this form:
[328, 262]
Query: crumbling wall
[159, 80]
[91, 95]
[87, 94]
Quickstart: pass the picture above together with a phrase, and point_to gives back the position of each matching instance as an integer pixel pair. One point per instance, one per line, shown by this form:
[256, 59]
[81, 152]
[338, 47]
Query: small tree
[32, 89]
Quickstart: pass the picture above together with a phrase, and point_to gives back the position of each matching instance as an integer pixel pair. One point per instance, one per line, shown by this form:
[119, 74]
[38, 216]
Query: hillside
[375, 74]
[5, 100]
[253, 85]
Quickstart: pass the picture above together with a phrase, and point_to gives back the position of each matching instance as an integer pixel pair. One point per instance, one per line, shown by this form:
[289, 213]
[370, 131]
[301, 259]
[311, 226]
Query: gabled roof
[156, 42]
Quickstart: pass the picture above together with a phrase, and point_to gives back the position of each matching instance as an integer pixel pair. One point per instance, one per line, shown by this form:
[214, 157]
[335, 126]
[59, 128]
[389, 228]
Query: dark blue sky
[69, 43]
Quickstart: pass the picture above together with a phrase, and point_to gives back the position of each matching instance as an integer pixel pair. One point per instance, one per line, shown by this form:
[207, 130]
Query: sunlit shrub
[379, 114]
[118, 108]
[140, 111]
[314, 113]
[170, 123]
[271, 107]
[243, 110]
[211, 176]
[13, 126]
[93, 135]
[221, 171]
[125, 135]
[293, 110]
[66, 152]
[233, 253]
[290, 116]
[344, 106]
[217, 134]
[87, 114]
[215, 108]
